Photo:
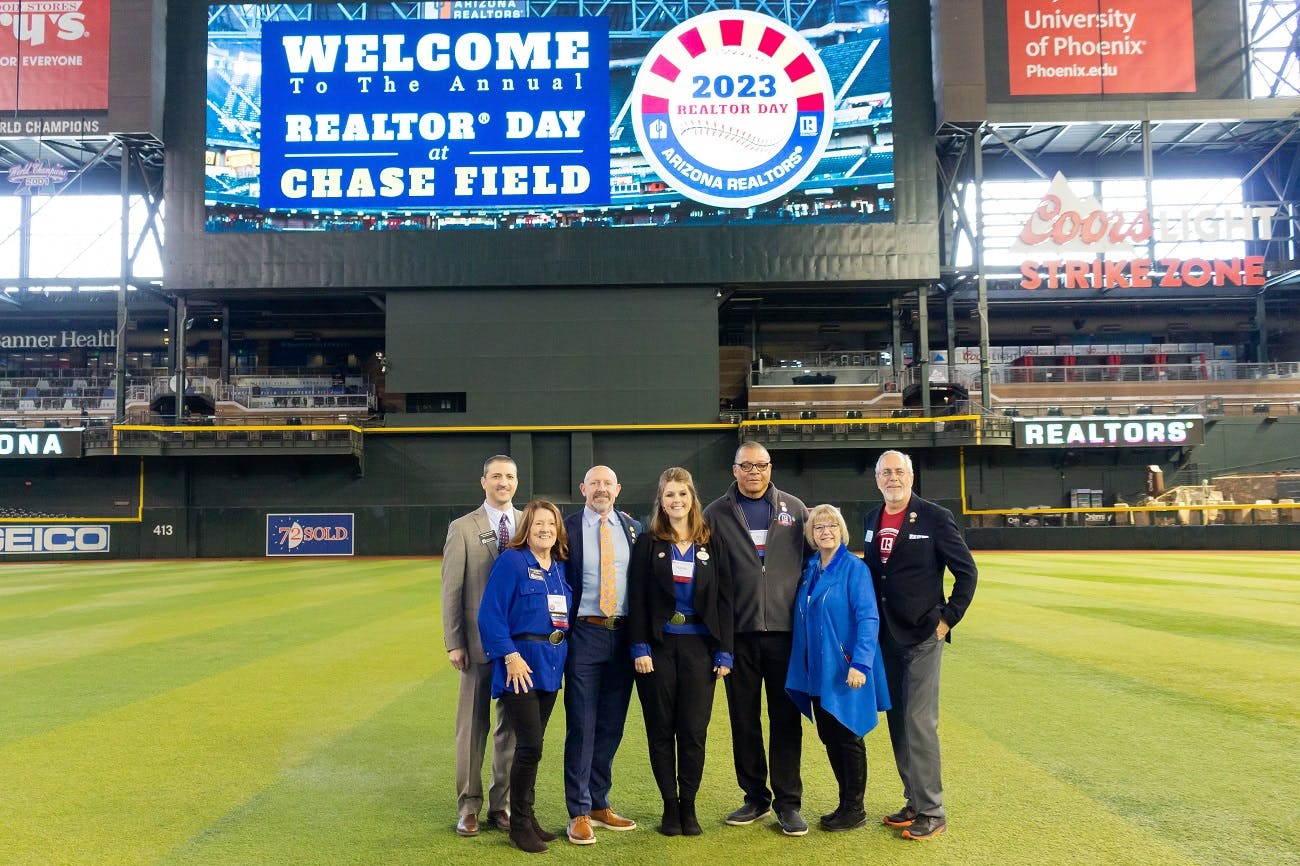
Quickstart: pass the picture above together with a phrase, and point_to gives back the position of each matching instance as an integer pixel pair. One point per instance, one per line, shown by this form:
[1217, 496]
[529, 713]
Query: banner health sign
[54, 539]
[309, 534]
[1147, 431]
[473, 115]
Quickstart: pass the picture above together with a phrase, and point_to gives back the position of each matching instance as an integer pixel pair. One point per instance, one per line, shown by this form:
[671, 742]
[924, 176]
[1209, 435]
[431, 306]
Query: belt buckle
[556, 638]
[613, 622]
[678, 618]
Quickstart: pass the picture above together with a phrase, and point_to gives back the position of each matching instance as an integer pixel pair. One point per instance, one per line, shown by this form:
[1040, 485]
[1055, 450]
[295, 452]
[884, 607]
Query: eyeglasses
[825, 527]
[892, 473]
[750, 467]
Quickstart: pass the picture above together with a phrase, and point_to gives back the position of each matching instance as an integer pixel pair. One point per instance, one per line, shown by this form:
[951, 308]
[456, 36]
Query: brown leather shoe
[580, 831]
[499, 819]
[610, 820]
[467, 825]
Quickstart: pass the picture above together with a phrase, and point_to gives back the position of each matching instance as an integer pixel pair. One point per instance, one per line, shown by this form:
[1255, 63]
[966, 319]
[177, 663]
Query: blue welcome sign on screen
[435, 113]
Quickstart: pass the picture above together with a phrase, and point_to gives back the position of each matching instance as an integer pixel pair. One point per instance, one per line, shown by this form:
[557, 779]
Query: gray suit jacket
[467, 558]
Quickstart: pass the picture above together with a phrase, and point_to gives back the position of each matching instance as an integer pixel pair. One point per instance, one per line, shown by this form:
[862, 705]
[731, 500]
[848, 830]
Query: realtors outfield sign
[1076, 244]
[1147, 431]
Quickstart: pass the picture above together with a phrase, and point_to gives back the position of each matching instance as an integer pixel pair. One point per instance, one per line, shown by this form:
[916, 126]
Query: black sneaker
[748, 813]
[791, 822]
[925, 827]
[902, 818]
[850, 819]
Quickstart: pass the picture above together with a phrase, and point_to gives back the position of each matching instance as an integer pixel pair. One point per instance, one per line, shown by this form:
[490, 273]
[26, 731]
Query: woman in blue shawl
[836, 675]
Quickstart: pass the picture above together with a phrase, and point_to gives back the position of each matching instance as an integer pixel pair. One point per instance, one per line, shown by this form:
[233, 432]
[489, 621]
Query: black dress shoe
[467, 825]
[499, 819]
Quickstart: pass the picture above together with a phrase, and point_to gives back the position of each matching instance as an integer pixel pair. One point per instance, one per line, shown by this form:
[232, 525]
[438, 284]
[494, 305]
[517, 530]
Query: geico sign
[54, 539]
[1108, 433]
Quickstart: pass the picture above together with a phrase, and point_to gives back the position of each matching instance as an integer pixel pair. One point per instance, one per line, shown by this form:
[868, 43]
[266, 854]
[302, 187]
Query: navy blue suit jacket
[909, 588]
[573, 528]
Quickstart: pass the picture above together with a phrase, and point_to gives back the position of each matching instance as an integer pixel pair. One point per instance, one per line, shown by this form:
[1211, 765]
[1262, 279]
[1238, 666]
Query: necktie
[608, 582]
[503, 534]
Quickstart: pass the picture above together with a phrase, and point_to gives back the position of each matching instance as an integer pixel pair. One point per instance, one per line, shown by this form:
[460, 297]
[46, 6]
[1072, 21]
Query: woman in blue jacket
[523, 621]
[836, 675]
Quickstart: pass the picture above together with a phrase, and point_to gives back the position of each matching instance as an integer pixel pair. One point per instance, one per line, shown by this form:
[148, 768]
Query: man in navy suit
[598, 672]
[909, 542]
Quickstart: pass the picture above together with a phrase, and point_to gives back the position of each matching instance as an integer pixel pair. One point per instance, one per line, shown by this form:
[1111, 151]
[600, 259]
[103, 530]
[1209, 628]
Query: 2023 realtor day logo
[732, 109]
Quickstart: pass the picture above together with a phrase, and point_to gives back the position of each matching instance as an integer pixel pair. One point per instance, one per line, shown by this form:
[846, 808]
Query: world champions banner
[53, 56]
[443, 113]
[1070, 47]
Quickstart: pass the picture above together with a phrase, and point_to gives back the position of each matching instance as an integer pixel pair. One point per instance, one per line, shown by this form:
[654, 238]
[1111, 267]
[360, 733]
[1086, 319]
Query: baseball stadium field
[1113, 708]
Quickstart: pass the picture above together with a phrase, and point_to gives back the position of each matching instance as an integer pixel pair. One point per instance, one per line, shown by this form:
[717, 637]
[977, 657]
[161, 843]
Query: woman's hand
[518, 674]
[721, 671]
[856, 678]
[643, 665]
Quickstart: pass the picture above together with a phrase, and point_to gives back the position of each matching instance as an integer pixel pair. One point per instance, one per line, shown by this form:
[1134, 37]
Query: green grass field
[1097, 709]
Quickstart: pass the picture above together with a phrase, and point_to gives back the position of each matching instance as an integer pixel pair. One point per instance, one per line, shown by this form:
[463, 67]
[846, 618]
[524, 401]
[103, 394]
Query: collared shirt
[494, 517]
[590, 604]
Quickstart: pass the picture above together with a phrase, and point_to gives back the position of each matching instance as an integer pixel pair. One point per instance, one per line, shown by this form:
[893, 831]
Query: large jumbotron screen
[489, 115]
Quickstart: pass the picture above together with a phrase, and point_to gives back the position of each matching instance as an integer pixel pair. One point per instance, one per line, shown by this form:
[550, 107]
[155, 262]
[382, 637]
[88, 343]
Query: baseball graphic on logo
[732, 108]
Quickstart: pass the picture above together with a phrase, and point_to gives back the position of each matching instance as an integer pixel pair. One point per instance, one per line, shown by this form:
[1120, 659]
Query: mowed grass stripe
[91, 604]
[60, 645]
[18, 580]
[1221, 672]
[1255, 600]
[41, 698]
[129, 785]
[1247, 570]
[1187, 770]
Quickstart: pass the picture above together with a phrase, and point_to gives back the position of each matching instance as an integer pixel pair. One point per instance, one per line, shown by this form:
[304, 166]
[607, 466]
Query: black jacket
[909, 589]
[652, 599]
[764, 591]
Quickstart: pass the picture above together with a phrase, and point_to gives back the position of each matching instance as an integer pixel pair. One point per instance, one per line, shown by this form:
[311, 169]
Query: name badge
[536, 574]
[487, 537]
[759, 537]
[558, 605]
[683, 571]
[870, 534]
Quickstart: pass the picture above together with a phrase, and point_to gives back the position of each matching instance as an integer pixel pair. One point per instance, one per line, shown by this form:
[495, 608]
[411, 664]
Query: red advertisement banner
[54, 55]
[1067, 47]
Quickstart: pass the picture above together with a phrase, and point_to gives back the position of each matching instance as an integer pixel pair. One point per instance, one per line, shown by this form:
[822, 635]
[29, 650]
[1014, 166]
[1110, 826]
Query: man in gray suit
[473, 542]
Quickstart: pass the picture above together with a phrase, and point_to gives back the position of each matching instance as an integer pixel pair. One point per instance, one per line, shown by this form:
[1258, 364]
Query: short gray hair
[907, 461]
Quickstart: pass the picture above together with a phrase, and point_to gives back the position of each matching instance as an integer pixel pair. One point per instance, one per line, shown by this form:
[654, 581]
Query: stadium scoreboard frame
[837, 223]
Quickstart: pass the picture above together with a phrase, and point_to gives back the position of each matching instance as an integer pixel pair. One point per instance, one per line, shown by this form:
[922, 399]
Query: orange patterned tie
[608, 582]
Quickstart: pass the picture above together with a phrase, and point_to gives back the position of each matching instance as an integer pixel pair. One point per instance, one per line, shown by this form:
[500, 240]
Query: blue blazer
[909, 588]
[573, 527]
[835, 623]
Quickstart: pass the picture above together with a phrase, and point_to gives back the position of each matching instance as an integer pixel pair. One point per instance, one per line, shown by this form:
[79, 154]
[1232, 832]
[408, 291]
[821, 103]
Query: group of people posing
[755, 589]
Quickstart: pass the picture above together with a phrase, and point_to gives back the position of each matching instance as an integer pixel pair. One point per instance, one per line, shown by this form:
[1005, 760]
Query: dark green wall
[563, 356]
[411, 485]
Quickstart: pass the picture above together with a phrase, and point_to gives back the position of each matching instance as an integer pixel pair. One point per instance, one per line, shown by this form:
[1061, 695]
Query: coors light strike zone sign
[1076, 244]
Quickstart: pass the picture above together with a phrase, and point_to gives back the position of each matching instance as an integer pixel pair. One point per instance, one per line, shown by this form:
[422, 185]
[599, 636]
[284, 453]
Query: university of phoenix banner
[54, 55]
[1068, 47]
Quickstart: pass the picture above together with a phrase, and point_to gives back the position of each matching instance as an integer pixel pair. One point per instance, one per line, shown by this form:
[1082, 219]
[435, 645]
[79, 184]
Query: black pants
[677, 702]
[762, 660]
[527, 715]
[847, 754]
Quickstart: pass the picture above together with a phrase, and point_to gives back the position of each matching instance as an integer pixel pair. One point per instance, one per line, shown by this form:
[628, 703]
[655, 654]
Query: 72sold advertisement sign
[1063, 47]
